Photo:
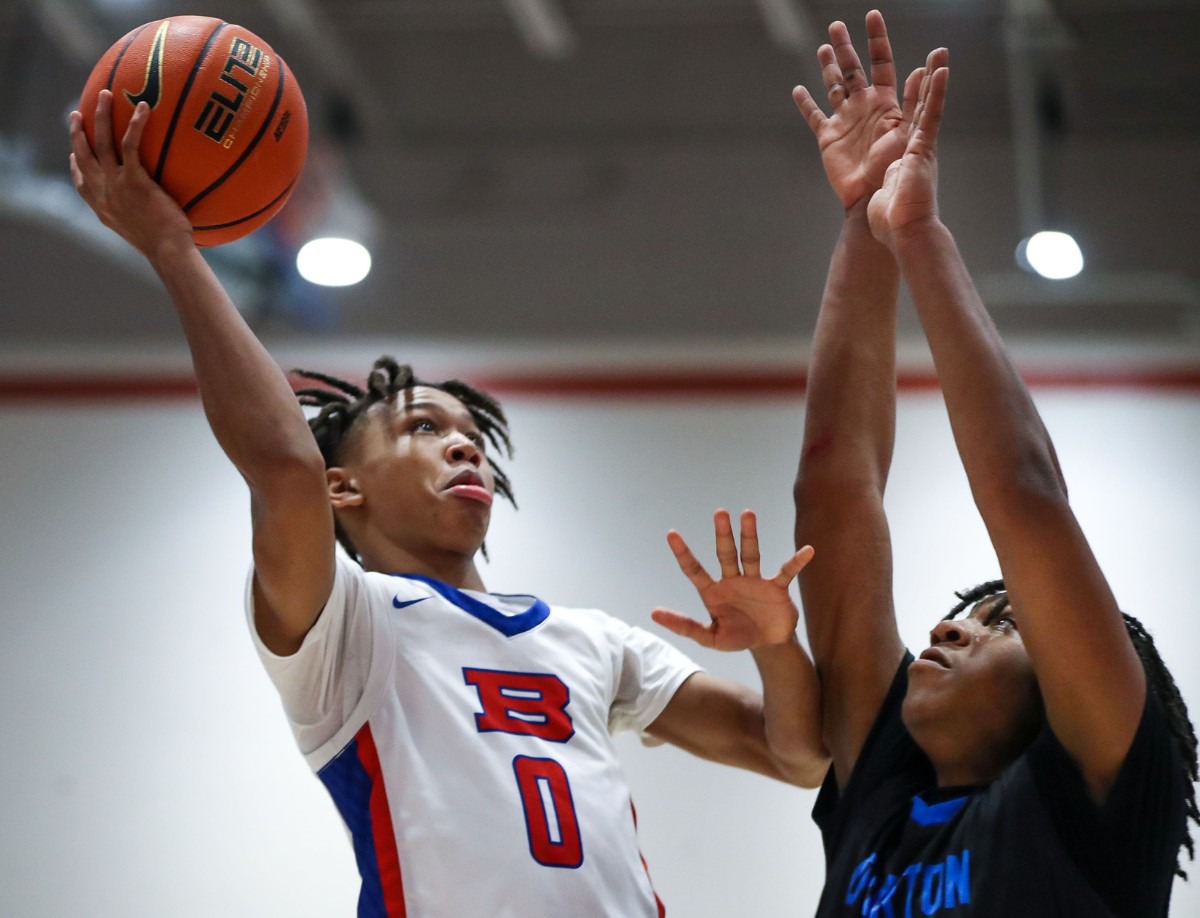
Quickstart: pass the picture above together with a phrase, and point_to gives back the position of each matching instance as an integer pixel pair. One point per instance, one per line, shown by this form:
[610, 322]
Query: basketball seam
[117, 63]
[187, 88]
[274, 201]
[250, 147]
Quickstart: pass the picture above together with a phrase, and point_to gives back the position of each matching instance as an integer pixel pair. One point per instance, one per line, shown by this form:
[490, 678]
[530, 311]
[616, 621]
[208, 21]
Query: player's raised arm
[247, 399]
[777, 733]
[1089, 675]
[850, 404]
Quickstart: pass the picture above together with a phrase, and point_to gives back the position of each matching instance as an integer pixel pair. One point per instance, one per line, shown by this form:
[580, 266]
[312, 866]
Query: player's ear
[343, 489]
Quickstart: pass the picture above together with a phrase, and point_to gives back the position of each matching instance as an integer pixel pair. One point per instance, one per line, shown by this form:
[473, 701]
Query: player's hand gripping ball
[228, 129]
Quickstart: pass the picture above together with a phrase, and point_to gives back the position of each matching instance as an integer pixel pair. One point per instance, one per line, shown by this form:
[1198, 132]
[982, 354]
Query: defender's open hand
[909, 193]
[867, 129]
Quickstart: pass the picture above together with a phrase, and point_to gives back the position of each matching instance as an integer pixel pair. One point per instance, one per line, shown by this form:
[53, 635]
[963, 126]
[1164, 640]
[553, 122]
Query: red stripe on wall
[100, 388]
[390, 878]
[118, 388]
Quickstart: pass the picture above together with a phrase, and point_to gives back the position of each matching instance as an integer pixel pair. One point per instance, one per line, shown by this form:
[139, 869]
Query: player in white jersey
[415, 733]
[503, 757]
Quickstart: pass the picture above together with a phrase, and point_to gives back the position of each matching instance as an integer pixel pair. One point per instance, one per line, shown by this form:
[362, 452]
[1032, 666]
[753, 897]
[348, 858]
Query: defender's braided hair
[343, 403]
[1160, 682]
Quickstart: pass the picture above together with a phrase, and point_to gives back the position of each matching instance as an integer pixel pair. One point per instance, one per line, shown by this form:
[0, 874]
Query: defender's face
[975, 683]
[420, 466]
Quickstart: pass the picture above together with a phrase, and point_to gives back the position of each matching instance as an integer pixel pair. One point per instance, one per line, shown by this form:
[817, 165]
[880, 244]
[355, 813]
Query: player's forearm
[850, 401]
[849, 432]
[247, 399]
[792, 712]
[997, 429]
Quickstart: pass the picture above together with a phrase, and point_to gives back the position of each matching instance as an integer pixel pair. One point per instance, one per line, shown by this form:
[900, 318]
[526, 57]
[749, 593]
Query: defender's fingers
[930, 118]
[912, 92]
[692, 569]
[938, 57]
[726, 548]
[809, 110]
[793, 566]
[922, 93]
[750, 552]
[684, 626]
[883, 67]
[831, 75]
[854, 78]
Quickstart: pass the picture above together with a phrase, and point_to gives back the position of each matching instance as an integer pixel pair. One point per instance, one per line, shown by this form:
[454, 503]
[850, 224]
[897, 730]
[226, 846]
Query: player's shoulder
[587, 615]
[375, 588]
[604, 628]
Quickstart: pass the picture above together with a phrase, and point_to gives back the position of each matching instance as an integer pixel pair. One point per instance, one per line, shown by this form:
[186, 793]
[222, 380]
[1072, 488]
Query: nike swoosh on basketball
[401, 603]
[152, 89]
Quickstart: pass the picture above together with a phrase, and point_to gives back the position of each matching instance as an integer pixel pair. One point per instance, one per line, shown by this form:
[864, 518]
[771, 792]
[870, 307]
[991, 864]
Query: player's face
[425, 480]
[974, 685]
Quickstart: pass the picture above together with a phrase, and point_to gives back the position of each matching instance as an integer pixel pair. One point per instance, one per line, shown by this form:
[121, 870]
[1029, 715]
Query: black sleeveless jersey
[1030, 844]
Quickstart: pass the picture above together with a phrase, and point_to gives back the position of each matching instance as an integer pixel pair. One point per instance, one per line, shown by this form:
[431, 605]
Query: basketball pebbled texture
[228, 129]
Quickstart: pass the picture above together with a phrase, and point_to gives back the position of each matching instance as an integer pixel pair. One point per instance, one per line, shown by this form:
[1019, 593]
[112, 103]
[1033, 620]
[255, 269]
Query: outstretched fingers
[692, 569]
[750, 553]
[929, 109]
[912, 94]
[852, 76]
[809, 110]
[831, 73]
[684, 626]
[793, 566]
[938, 58]
[883, 67]
[727, 551]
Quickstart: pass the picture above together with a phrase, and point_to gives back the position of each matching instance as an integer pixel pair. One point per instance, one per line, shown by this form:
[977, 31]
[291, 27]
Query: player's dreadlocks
[343, 403]
[1160, 682]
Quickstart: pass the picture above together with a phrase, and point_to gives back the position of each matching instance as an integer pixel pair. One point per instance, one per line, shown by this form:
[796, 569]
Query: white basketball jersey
[465, 739]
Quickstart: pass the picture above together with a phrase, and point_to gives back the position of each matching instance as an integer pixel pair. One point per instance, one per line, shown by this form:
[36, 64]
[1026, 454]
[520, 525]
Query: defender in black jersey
[1036, 759]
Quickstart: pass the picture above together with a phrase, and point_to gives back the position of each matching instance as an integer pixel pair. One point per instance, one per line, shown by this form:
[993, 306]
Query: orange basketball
[228, 130]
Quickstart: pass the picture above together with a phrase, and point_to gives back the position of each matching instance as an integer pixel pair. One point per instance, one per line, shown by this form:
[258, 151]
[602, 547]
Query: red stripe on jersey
[662, 909]
[390, 879]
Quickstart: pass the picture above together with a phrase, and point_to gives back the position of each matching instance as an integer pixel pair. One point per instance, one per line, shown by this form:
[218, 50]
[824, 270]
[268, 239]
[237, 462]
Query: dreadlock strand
[485, 410]
[973, 595]
[347, 388]
[1162, 684]
[320, 397]
[387, 377]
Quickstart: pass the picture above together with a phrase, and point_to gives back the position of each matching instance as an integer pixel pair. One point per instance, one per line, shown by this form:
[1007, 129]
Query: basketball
[228, 129]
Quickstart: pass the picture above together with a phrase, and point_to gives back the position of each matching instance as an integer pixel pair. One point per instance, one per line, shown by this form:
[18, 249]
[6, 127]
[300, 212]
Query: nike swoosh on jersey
[152, 89]
[401, 603]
